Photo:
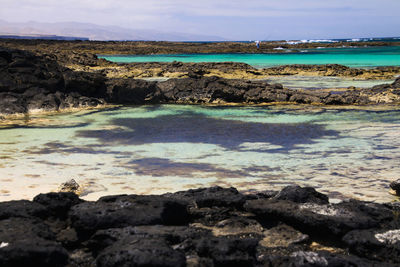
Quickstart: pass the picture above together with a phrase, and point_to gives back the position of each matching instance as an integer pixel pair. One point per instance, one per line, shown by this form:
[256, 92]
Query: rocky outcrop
[215, 90]
[333, 70]
[30, 82]
[156, 47]
[385, 93]
[234, 70]
[200, 227]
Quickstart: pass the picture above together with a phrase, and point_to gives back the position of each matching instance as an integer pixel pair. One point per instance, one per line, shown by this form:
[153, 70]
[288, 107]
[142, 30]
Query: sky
[231, 19]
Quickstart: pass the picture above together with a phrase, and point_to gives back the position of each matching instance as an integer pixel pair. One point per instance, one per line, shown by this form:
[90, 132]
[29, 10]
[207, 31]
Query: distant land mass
[63, 30]
[44, 37]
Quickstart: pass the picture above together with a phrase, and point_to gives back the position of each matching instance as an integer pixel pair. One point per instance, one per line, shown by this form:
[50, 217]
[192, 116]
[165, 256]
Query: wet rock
[127, 210]
[299, 194]
[395, 185]
[382, 245]
[58, 204]
[69, 186]
[28, 242]
[211, 197]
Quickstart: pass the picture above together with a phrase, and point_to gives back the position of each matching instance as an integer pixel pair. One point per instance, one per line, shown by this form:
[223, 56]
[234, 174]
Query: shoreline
[42, 82]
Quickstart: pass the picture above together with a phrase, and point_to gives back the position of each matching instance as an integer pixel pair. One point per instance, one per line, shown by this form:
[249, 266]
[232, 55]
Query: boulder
[136, 251]
[375, 244]
[58, 204]
[232, 251]
[211, 197]
[330, 221]
[395, 185]
[22, 208]
[127, 210]
[28, 242]
[299, 194]
[318, 259]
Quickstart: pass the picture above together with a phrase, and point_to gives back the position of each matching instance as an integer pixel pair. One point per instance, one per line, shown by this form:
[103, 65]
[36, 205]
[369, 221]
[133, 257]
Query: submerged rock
[69, 186]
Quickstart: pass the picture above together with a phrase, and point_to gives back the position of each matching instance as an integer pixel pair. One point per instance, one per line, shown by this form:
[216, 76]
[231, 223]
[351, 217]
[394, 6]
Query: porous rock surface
[200, 227]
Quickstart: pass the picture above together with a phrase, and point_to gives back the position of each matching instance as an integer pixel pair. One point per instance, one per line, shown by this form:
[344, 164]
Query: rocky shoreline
[201, 227]
[160, 47]
[31, 82]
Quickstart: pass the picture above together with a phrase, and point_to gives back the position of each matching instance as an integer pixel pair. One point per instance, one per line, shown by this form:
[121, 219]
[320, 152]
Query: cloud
[208, 16]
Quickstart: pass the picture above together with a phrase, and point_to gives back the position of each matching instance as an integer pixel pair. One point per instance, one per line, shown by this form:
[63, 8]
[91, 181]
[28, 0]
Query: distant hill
[44, 37]
[95, 32]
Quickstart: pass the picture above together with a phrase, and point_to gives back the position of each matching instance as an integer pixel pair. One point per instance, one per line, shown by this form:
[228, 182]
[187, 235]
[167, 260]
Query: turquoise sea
[344, 152]
[359, 57]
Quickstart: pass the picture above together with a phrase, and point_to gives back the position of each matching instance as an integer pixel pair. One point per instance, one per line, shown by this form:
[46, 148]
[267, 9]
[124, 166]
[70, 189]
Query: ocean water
[359, 57]
[155, 149]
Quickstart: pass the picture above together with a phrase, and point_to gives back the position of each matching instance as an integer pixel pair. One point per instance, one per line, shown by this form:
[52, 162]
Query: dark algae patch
[195, 128]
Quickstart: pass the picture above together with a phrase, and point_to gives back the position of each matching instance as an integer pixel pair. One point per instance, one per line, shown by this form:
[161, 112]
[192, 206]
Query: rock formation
[200, 227]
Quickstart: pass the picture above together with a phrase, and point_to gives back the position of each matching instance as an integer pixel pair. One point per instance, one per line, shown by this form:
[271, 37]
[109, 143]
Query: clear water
[157, 149]
[311, 82]
[352, 57]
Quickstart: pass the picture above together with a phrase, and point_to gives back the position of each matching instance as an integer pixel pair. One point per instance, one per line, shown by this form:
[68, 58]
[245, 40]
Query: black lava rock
[127, 210]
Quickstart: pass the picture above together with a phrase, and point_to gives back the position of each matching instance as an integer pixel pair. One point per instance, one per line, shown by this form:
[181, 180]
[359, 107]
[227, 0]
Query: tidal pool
[344, 152]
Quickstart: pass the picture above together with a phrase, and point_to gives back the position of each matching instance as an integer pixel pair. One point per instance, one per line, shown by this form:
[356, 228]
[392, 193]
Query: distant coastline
[43, 37]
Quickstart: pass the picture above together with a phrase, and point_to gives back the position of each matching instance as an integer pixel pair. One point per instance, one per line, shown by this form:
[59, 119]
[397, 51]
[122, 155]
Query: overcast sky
[232, 19]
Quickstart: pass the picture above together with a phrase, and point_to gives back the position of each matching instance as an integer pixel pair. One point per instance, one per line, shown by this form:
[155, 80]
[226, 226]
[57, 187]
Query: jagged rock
[283, 236]
[211, 197]
[11, 103]
[130, 91]
[85, 83]
[140, 252]
[395, 185]
[382, 244]
[201, 227]
[299, 194]
[58, 204]
[28, 242]
[319, 259]
[328, 220]
[37, 82]
[22, 208]
[69, 186]
[181, 237]
[231, 251]
[127, 210]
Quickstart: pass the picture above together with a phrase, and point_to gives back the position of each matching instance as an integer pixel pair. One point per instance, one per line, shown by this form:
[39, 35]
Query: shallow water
[311, 82]
[323, 82]
[352, 57]
[157, 149]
